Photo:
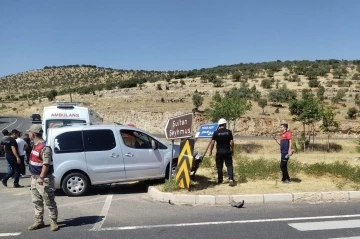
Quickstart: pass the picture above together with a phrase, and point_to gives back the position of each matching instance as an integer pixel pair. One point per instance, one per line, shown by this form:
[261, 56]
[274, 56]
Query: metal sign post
[171, 159]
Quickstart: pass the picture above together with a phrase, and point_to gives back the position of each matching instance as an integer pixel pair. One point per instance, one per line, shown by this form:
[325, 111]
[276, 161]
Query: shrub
[170, 186]
[352, 112]
[206, 162]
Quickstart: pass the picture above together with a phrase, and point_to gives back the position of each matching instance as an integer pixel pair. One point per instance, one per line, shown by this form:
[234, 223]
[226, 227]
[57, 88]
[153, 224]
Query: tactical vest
[36, 163]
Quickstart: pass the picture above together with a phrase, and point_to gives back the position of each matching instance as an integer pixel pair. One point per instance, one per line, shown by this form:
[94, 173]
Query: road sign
[206, 130]
[179, 127]
[185, 159]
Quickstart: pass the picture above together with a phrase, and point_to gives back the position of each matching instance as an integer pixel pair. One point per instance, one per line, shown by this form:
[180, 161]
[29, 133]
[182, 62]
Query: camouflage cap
[36, 128]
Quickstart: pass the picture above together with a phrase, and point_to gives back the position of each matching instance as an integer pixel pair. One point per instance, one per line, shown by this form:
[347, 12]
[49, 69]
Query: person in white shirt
[22, 145]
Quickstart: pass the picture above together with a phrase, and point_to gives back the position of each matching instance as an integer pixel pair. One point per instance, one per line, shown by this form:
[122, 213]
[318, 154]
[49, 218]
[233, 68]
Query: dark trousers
[27, 156]
[226, 157]
[14, 172]
[283, 167]
[22, 165]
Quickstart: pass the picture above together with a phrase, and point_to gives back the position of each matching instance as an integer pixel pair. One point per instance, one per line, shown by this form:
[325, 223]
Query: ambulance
[66, 114]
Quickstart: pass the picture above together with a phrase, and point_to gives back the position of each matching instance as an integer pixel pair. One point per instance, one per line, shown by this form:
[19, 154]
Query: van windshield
[56, 123]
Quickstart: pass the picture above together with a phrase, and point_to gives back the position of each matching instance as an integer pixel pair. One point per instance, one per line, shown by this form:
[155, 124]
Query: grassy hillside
[88, 78]
[112, 91]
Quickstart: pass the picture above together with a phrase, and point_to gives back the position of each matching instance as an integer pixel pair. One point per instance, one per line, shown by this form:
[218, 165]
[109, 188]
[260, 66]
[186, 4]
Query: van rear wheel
[173, 169]
[75, 184]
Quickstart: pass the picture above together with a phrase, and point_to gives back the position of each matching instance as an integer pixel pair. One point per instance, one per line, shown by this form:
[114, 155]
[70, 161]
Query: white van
[67, 113]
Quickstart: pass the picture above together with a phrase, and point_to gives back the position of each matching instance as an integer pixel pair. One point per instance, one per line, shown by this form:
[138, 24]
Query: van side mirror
[154, 145]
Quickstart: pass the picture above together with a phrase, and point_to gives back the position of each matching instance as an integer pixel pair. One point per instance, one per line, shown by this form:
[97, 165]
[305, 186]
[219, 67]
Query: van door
[141, 161]
[103, 156]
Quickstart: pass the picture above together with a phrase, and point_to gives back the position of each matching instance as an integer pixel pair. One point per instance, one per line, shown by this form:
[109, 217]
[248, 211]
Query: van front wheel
[75, 184]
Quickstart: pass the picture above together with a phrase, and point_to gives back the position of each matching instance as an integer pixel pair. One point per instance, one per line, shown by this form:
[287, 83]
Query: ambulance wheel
[75, 184]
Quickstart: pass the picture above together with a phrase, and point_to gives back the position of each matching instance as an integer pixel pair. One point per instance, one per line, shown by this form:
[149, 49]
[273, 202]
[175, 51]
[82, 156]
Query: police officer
[42, 180]
[224, 150]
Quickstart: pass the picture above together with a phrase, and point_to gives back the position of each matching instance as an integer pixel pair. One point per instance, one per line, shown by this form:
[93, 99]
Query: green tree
[339, 72]
[212, 77]
[340, 94]
[313, 83]
[267, 83]
[262, 103]
[307, 111]
[237, 76]
[270, 73]
[311, 74]
[282, 95]
[329, 124]
[320, 93]
[197, 100]
[204, 78]
[352, 112]
[217, 82]
[216, 97]
[256, 95]
[230, 108]
[51, 95]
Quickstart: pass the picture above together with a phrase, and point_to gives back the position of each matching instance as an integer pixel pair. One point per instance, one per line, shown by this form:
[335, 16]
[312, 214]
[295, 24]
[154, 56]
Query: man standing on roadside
[28, 148]
[285, 151]
[224, 151]
[42, 180]
[22, 145]
[6, 134]
[12, 157]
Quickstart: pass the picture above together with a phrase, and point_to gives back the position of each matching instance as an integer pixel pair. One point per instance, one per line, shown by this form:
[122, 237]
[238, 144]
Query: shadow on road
[296, 180]
[79, 221]
[130, 188]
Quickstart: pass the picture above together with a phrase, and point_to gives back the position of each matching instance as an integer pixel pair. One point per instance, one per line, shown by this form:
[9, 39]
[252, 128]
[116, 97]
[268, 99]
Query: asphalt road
[19, 123]
[125, 211]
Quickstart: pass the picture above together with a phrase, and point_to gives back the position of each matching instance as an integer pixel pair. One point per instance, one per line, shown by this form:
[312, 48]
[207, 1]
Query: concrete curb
[215, 200]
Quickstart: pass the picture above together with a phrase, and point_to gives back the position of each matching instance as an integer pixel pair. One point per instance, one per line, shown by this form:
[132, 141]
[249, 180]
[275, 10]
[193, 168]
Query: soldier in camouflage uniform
[42, 180]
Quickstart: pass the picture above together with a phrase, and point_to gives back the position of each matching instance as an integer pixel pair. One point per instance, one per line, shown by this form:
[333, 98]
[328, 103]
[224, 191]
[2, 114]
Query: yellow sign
[182, 175]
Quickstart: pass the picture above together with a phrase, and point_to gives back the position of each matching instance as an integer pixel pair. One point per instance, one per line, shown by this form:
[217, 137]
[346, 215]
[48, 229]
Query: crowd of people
[31, 150]
[17, 151]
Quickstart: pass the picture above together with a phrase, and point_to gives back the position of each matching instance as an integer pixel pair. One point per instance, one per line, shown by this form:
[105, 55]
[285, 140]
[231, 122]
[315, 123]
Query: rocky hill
[148, 98]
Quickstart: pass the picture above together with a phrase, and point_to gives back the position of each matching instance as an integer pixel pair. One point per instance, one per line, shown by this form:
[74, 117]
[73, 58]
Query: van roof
[98, 126]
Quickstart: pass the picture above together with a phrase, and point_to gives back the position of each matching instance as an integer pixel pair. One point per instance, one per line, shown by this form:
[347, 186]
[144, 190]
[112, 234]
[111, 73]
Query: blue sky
[174, 34]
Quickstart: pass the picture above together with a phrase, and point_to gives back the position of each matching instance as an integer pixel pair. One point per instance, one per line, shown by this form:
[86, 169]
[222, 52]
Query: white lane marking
[82, 202]
[97, 226]
[327, 225]
[224, 222]
[20, 124]
[10, 234]
[346, 237]
[9, 124]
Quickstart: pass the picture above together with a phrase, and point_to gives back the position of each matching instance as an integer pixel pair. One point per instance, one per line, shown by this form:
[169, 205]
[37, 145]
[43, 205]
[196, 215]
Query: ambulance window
[99, 140]
[69, 142]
